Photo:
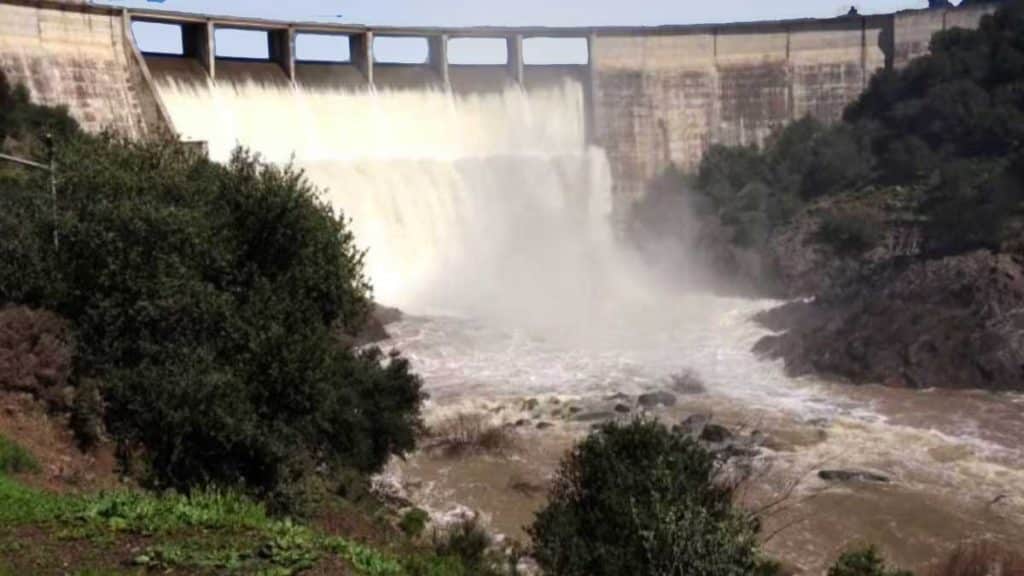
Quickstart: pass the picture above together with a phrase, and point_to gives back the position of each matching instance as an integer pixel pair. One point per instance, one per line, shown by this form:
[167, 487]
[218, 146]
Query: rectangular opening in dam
[548, 51]
[401, 50]
[478, 51]
[312, 47]
[158, 38]
[242, 43]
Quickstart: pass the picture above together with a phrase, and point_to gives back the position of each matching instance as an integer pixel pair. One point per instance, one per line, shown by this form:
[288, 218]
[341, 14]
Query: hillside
[904, 222]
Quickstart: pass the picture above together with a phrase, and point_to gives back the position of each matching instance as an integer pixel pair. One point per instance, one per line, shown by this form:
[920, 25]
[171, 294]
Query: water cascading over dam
[488, 203]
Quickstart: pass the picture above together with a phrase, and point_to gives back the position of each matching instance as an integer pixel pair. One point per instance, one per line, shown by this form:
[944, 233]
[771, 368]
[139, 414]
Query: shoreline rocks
[953, 322]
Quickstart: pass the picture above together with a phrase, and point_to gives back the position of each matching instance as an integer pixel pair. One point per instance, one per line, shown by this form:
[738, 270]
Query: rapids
[487, 218]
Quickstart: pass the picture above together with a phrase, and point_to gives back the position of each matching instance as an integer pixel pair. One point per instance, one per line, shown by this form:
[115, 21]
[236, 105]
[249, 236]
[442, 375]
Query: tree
[641, 499]
[208, 301]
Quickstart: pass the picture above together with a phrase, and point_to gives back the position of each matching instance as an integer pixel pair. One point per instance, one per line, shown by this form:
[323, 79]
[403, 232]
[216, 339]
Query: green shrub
[414, 522]
[207, 299]
[863, 562]
[14, 459]
[469, 542]
[641, 499]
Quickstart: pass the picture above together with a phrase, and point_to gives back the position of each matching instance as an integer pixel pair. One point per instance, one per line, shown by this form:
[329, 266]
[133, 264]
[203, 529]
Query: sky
[483, 12]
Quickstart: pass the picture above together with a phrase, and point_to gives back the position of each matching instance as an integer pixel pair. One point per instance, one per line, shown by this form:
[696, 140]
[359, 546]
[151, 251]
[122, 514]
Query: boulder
[716, 433]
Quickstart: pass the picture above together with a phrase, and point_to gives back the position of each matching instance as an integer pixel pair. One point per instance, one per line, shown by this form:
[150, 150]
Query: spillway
[463, 202]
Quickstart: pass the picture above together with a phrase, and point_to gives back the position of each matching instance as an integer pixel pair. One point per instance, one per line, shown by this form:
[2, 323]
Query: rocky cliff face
[954, 322]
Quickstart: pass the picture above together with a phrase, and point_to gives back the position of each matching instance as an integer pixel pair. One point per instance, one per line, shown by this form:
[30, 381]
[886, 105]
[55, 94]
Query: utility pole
[52, 169]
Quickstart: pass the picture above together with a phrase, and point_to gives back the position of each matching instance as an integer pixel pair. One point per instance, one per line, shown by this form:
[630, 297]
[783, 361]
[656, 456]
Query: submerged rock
[716, 433]
[694, 424]
[655, 399]
[852, 476]
[595, 416]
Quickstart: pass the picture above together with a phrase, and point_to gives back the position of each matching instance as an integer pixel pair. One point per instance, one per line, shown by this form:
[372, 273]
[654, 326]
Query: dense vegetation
[947, 131]
[643, 499]
[207, 302]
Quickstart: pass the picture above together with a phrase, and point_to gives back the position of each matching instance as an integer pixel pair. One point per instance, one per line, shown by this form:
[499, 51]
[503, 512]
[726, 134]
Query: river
[487, 219]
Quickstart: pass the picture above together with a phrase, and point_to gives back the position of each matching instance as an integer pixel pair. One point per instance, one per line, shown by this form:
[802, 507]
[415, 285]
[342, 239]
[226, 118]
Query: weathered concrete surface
[656, 97]
[663, 98]
[69, 55]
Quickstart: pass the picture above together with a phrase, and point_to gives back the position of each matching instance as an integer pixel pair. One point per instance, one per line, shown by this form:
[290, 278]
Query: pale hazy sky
[495, 12]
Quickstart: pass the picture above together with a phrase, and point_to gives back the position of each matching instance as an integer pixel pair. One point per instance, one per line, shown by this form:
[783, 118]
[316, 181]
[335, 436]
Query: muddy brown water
[955, 458]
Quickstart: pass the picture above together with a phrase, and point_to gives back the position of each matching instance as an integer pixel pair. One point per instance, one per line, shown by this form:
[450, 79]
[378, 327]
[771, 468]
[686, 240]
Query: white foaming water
[486, 205]
[490, 215]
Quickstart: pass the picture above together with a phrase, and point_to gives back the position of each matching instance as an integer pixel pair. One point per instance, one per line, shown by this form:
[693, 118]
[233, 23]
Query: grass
[14, 459]
[207, 532]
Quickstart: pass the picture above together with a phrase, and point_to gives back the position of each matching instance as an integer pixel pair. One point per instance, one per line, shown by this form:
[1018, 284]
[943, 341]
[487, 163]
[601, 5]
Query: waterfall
[486, 204]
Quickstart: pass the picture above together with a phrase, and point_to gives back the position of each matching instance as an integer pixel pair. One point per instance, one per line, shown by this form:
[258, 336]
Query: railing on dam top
[198, 39]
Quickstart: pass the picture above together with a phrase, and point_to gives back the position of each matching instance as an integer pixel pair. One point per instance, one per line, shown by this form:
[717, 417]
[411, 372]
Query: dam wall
[663, 96]
[70, 54]
[654, 97]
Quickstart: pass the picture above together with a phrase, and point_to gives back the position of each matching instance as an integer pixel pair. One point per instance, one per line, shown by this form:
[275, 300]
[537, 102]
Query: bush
[207, 299]
[14, 459]
[467, 541]
[36, 350]
[641, 499]
[863, 562]
[469, 433]
[414, 522]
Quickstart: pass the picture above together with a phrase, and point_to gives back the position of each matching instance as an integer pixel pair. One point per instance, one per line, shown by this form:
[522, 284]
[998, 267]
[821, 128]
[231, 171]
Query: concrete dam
[653, 96]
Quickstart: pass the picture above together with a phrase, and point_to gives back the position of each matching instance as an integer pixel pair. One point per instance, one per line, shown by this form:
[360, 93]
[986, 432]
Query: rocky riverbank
[899, 318]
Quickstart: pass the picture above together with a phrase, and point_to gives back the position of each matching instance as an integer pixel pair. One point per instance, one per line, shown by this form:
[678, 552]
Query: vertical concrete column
[515, 58]
[438, 48]
[281, 47]
[198, 41]
[361, 51]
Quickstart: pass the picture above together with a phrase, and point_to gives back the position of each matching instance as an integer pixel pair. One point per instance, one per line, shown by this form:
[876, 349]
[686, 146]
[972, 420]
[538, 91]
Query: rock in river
[852, 476]
[655, 399]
